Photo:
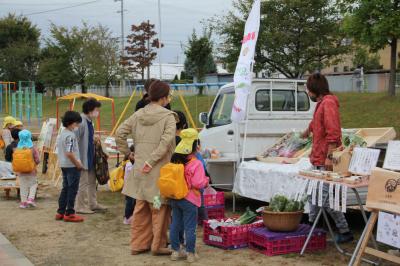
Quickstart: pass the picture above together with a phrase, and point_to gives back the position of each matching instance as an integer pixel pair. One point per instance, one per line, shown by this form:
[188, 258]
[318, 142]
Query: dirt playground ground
[103, 240]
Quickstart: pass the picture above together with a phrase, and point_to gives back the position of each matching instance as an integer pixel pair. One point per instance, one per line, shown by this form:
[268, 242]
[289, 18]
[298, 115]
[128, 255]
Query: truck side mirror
[203, 118]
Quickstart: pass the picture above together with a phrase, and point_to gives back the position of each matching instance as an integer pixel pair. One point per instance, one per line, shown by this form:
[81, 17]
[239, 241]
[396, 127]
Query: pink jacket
[196, 179]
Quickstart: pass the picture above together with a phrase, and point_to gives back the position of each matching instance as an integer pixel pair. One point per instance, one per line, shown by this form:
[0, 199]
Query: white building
[168, 71]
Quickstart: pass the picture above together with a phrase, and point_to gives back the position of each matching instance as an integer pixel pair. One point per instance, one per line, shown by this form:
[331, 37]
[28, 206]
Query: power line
[61, 8]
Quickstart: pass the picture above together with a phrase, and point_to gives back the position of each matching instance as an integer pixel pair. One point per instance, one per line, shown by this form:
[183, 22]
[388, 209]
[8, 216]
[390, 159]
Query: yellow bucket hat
[188, 136]
[18, 123]
[8, 120]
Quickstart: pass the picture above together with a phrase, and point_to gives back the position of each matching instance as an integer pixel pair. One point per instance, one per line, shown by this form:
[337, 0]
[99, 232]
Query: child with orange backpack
[25, 159]
[184, 210]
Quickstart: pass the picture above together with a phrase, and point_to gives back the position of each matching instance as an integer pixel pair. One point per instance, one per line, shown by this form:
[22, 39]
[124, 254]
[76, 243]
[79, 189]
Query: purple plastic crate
[303, 230]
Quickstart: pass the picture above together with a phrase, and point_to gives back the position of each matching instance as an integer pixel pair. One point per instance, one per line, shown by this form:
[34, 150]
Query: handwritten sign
[388, 229]
[392, 158]
[363, 161]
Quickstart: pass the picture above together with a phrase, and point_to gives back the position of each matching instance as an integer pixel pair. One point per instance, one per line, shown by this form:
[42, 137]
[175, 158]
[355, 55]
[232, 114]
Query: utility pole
[160, 38]
[122, 39]
[148, 50]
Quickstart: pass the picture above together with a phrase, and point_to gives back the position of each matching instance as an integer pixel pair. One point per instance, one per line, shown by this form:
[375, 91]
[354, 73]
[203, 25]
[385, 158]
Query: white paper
[331, 186]
[344, 198]
[388, 231]
[310, 187]
[363, 160]
[392, 157]
[314, 192]
[320, 193]
[337, 197]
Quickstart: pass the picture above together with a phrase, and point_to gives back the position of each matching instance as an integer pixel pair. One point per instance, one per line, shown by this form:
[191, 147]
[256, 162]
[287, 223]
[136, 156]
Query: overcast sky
[179, 17]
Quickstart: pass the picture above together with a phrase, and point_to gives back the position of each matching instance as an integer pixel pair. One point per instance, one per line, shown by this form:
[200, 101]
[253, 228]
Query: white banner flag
[243, 73]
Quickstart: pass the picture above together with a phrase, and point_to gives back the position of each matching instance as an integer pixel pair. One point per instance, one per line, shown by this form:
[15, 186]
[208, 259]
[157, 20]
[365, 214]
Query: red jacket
[326, 129]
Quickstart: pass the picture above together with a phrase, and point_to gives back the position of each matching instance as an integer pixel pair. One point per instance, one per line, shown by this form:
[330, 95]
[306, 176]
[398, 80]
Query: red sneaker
[73, 218]
[59, 217]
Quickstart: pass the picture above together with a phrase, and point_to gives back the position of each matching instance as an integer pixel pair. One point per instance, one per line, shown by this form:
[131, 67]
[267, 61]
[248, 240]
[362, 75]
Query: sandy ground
[103, 240]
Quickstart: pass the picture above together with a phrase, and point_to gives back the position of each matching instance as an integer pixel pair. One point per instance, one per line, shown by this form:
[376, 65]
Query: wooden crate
[373, 136]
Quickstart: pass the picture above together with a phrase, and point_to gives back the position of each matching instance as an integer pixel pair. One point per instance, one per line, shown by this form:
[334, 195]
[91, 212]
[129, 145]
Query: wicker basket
[282, 221]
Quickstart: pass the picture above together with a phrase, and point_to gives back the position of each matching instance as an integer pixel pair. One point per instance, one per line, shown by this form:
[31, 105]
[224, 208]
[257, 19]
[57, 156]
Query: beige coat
[153, 131]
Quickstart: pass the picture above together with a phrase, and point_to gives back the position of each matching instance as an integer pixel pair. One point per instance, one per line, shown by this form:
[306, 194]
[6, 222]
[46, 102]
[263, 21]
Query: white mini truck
[276, 107]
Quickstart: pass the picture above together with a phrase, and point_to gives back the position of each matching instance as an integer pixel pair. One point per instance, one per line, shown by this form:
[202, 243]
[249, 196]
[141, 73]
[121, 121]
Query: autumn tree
[140, 50]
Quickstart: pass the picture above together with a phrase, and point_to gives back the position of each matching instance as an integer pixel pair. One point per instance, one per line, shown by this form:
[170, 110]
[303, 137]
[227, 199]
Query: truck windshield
[221, 113]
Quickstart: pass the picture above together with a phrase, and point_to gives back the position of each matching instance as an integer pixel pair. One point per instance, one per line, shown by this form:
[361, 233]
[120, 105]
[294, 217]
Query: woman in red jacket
[327, 136]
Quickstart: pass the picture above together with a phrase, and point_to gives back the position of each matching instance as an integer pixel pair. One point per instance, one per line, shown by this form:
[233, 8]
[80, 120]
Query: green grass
[357, 109]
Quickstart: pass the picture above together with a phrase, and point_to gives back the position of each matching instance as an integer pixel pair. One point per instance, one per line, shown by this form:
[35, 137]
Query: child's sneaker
[59, 217]
[31, 203]
[23, 205]
[192, 257]
[73, 218]
[177, 255]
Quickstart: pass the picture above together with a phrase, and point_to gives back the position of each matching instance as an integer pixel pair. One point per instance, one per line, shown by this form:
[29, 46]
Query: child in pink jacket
[184, 211]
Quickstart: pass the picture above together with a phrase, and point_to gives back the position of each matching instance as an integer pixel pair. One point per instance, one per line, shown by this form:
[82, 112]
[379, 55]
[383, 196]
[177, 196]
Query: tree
[75, 44]
[55, 70]
[375, 23]
[140, 49]
[199, 58]
[105, 59]
[363, 58]
[295, 36]
[19, 48]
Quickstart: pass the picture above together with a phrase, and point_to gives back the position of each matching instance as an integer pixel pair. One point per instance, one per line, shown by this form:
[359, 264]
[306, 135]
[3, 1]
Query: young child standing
[13, 145]
[184, 211]
[28, 181]
[129, 201]
[71, 166]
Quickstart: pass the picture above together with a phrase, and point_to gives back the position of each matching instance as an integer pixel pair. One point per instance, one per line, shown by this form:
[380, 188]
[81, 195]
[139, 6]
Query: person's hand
[328, 164]
[146, 168]
[305, 134]
[79, 166]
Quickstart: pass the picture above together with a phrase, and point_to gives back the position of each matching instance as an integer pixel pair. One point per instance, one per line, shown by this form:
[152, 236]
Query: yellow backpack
[23, 161]
[116, 181]
[172, 182]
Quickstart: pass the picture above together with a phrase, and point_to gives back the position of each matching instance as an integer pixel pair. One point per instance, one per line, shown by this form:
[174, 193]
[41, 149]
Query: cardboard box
[341, 162]
[373, 136]
[384, 191]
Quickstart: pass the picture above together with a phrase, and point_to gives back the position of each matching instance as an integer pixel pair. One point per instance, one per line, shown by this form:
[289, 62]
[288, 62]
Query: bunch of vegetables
[289, 146]
[247, 218]
[351, 139]
[280, 203]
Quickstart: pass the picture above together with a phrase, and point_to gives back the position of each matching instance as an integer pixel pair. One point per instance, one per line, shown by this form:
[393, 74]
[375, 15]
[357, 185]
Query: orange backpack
[23, 161]
[172, 182]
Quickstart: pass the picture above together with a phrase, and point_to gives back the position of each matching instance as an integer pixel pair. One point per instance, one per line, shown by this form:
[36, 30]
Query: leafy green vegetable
[280, 203]
[248, 217]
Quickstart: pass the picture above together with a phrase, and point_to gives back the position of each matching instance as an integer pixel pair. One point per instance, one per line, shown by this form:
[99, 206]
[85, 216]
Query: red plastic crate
[291, 243]
[214, 199]
[215, 212]
[228, 237]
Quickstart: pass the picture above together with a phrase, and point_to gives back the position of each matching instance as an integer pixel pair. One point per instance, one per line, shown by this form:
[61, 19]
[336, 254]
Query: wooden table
[322, 212]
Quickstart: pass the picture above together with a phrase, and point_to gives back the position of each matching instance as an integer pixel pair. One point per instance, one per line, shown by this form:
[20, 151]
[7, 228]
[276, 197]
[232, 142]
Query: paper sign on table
[363, 160]
[389, 229]
[392, 157]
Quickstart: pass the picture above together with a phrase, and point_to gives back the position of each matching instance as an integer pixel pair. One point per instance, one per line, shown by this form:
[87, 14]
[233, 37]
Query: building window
[345, 69]
[335, 69]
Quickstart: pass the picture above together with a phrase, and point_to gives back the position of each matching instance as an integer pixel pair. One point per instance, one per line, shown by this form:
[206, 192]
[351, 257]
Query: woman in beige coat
[153, 131]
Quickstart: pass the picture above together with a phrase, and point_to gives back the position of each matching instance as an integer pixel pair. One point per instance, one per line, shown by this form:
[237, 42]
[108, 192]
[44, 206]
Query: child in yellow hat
[184, 211]
[8, 124]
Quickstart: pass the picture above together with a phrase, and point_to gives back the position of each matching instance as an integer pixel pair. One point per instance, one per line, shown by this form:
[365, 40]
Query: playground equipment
[22, 101]
[74, 96]
[5, 94]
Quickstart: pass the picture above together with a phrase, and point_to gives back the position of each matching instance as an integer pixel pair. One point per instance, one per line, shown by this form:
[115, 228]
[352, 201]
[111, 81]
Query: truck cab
[276, 107]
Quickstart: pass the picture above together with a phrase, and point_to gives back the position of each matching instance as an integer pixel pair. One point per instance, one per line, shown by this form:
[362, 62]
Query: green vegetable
[248, 217]
[292, 206]
[278, 203]
[351, 139]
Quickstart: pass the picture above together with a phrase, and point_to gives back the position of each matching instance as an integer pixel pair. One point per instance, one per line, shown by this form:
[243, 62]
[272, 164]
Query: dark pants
[184, 218]
[66, 202]
[129, 206]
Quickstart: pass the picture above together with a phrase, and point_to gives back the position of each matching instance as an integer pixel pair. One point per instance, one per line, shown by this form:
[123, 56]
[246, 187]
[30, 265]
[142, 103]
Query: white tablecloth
[261, 181]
